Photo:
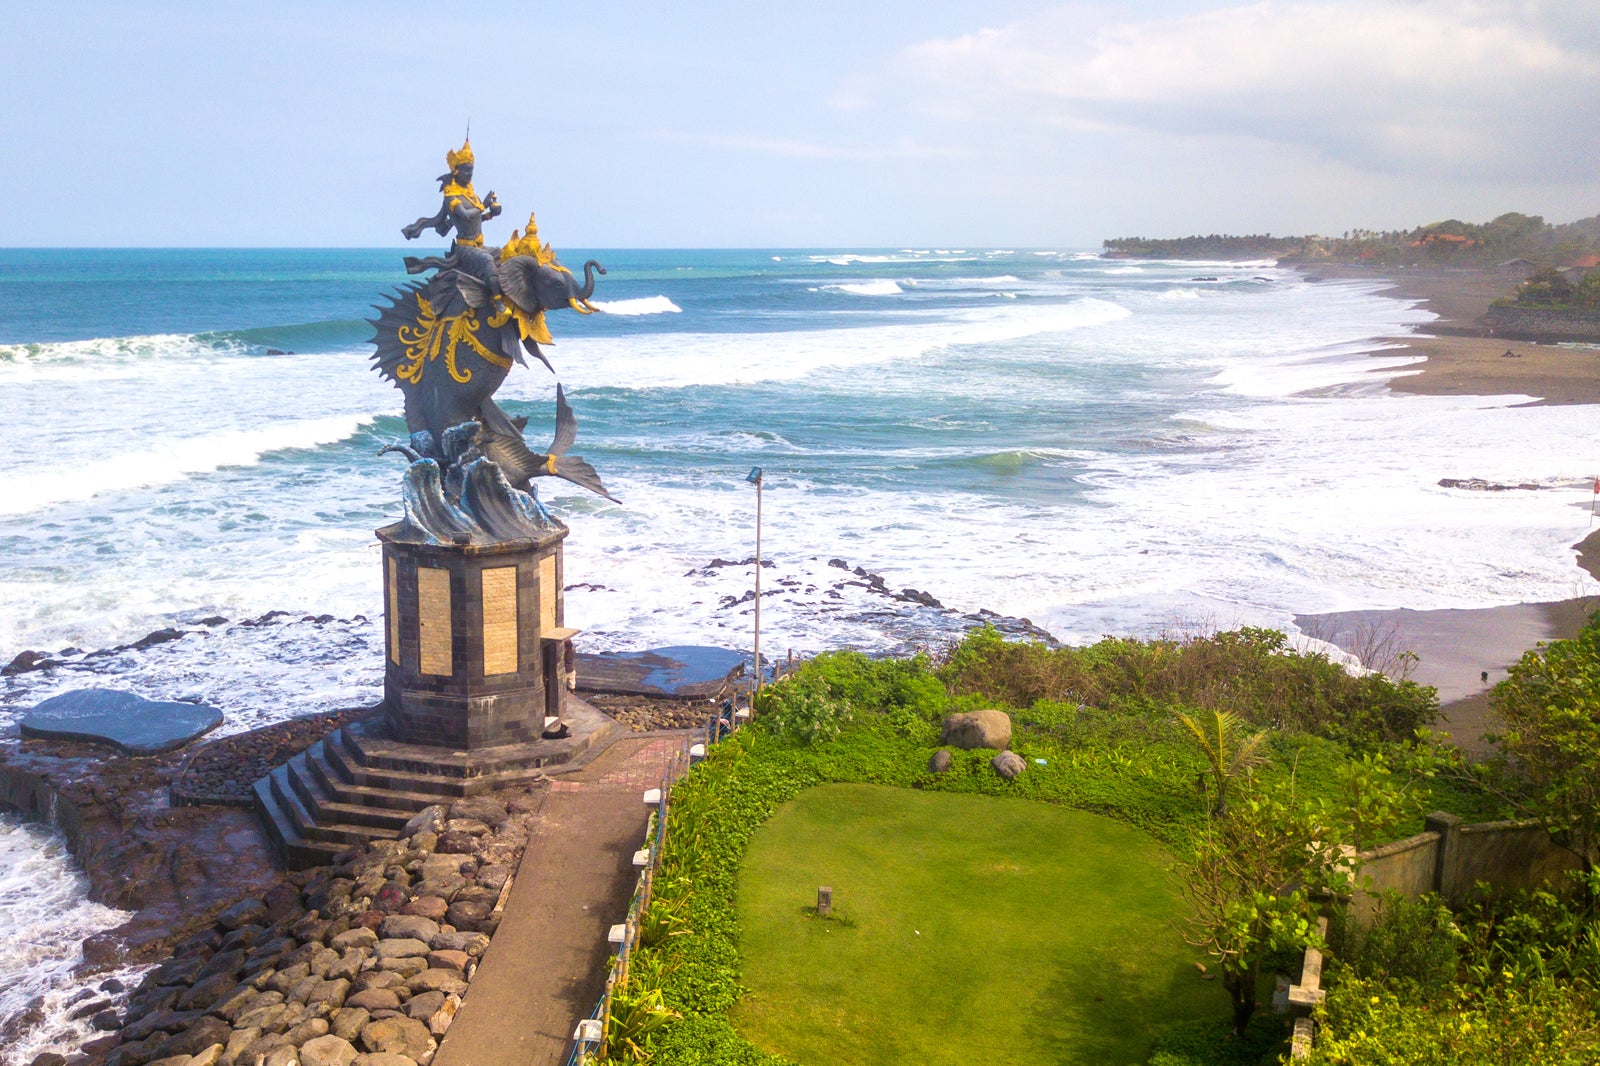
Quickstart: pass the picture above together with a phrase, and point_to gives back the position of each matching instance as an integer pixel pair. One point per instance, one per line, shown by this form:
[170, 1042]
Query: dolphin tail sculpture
[500, 439]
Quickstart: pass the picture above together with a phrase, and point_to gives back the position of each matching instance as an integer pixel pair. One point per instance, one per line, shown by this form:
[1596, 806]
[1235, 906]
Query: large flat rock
[131, 724]
[685, 671]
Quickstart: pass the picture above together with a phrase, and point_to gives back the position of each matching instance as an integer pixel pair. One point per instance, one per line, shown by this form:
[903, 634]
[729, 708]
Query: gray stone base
[359, 784]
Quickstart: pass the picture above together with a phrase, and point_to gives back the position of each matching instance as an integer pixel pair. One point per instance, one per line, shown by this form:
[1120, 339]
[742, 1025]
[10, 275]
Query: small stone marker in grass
[824, 902]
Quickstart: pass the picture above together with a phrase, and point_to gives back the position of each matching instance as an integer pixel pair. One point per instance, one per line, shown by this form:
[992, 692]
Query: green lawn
[976, 929]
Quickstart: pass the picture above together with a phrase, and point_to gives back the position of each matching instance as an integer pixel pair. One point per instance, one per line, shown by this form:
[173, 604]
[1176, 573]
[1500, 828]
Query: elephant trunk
[589, 270]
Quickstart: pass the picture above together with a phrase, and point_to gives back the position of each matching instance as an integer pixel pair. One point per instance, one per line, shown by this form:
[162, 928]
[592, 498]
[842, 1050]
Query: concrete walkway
[546, 966]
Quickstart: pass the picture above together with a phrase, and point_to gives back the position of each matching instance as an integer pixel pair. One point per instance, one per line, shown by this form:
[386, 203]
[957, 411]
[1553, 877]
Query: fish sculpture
[448, 343]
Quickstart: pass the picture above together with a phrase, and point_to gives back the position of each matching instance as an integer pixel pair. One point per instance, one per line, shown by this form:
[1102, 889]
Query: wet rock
[327, 1050]
[349, 964]
[398, 1036]
[208, 991]
[49, 1058]
[408, 926]
[423, 1005]
[468, 913]
[430, 907]
[474, 944]
[1008, 764]
[359, 937]
[322, 958]
[444, 887]
[201, 1034]
[446, 981]
[378, 979]
[284, 1054]
[287, 976]
[401, 948]
[237, 1042]
[347, 1022]
[259, 1048]
[374, 999]
[452, 842]
[406, 967]
[309, 1029]
[440, 1022]
[332, 993]
[208, 1057]
[25, 662]
[448, 960]
[245, 912]
[429, 819]
[480, 808]
[282, 902]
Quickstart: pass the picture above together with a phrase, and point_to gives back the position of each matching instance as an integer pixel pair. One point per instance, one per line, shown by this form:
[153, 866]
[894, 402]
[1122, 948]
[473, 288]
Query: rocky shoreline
[364, 961]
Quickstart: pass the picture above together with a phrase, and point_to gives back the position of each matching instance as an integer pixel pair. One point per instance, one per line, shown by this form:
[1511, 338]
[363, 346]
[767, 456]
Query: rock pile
[223, 770]
[362, 962]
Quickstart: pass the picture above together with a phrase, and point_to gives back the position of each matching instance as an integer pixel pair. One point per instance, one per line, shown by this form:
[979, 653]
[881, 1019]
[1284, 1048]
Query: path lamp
[755, 479]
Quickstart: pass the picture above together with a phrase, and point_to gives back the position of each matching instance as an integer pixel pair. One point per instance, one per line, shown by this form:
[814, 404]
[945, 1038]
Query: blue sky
[1003, 123]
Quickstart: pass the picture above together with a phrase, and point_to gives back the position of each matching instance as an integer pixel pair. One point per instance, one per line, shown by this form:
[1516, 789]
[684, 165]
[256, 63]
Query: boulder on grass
[978, 729]
[940, 762]
[1008, 764]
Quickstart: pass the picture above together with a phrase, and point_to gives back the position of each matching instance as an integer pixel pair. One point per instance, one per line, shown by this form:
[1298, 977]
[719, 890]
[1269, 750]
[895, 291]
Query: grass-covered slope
[970, 928]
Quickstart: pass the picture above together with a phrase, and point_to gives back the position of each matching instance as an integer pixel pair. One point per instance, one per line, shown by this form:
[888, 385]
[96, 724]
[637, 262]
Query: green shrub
[1410, 943]
[1249, 672]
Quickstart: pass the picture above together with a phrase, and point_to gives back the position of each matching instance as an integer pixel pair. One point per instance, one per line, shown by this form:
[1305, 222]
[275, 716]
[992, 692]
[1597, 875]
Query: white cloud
[1506, 89]
[789, 148]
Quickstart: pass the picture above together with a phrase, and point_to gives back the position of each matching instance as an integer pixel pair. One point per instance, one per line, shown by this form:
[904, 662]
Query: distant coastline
[1458, 646]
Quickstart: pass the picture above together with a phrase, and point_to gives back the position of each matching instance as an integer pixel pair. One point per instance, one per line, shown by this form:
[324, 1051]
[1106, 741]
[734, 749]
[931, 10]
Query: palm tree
[1228, 751]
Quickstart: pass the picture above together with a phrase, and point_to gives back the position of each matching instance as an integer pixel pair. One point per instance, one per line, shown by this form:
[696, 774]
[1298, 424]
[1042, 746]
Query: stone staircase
[357, 785]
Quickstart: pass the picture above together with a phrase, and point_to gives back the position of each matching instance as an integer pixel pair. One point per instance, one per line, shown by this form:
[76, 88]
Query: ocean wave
[172, 460]
[297, 337]
[99, 351]
[876, 287]
[1178, 294]
[685, 360]
[643, 305]
[1124, 270]
[848, 258]
[102, 350]
[46, 914]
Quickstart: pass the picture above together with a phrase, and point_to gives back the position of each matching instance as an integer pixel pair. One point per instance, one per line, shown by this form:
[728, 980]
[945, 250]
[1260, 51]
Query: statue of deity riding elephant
[449, 342]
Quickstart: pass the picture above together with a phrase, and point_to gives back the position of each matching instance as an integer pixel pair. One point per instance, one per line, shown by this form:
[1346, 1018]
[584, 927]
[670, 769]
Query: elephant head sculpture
[535, 285]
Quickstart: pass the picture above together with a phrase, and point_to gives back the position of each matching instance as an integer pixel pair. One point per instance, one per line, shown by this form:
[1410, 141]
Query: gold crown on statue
[456, 158]
[528, 244]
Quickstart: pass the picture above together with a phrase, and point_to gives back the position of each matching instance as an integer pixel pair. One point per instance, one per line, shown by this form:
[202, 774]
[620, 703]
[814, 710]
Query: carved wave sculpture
[489, 510]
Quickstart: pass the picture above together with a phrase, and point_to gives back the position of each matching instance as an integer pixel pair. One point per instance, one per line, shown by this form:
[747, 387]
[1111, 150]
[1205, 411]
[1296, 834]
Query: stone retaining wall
[1542, 324]
[1450, 858]
[34, 796]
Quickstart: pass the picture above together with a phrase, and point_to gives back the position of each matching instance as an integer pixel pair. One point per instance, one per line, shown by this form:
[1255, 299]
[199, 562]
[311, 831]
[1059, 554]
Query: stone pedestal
[476, 653]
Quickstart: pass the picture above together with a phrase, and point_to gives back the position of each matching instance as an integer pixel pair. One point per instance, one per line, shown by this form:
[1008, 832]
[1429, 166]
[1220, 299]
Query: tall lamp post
[755, 479]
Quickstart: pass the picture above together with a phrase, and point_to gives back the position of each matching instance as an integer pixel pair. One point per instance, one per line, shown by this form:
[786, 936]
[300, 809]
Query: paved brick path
[547, 964]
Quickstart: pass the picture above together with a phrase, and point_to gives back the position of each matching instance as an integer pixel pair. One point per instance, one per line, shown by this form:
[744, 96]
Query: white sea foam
[46, 918]
[1124, 270]
[876, 287]
[165, 461]
[643, 305]
[681, 360]
[107, 353]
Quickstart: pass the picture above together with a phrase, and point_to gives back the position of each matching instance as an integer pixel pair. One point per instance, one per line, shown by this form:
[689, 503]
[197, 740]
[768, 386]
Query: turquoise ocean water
[1098, 446]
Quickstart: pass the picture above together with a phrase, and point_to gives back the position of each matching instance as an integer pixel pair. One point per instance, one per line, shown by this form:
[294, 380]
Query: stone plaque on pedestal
[477, 655]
